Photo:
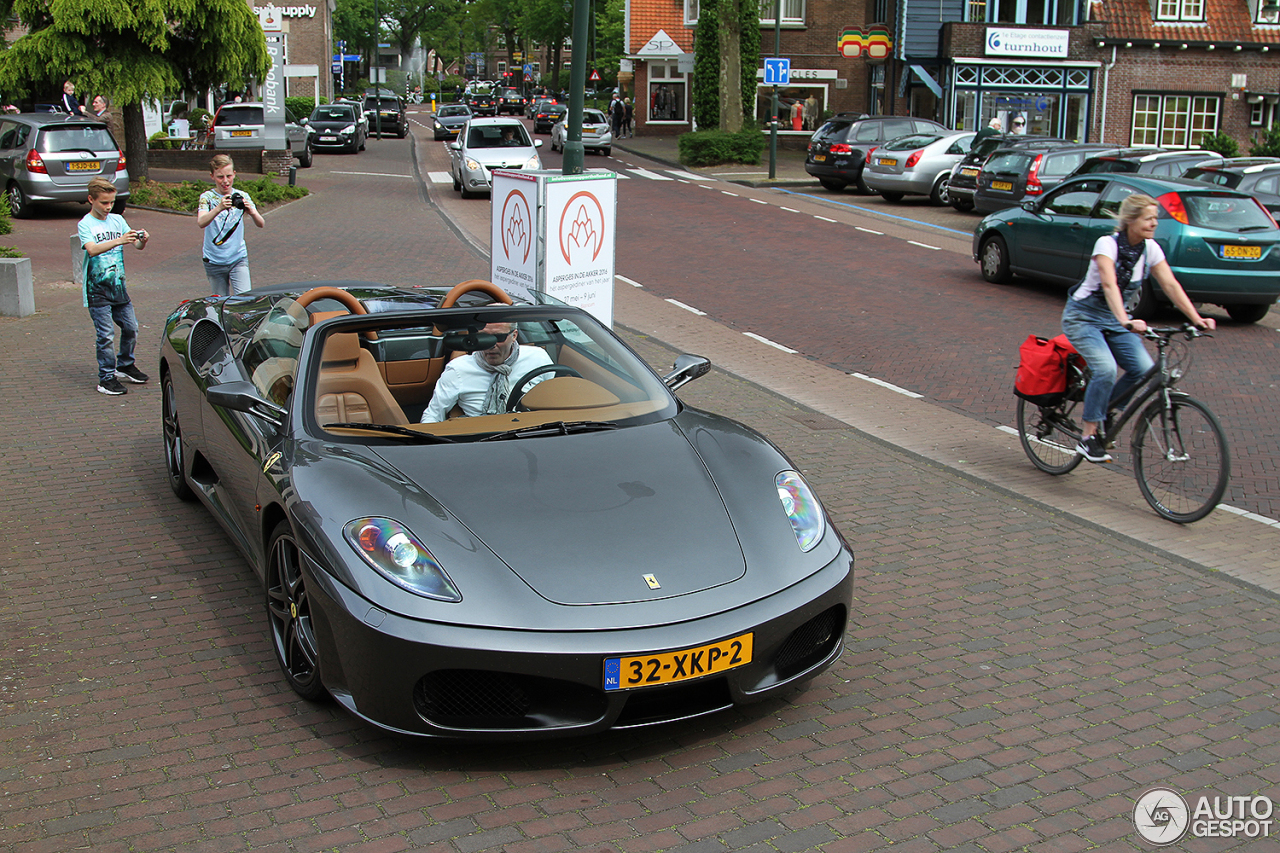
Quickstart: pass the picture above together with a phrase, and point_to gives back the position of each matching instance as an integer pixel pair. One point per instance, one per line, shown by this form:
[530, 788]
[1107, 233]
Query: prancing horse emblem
[652, 582]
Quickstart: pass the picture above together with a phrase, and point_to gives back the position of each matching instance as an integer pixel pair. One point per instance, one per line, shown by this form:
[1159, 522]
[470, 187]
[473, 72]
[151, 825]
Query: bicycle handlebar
[1166, 333]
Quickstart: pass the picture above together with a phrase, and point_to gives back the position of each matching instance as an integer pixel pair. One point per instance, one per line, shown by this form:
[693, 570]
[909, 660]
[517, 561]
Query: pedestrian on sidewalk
[627, 116]
[221, 214]
[103, 235]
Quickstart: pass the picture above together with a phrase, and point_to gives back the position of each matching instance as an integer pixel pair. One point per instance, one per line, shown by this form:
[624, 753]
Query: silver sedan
[486, 144]
[916, 164]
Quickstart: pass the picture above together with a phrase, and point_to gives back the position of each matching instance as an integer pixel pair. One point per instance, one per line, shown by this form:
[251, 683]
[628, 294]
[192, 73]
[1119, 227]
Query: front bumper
[437, 680]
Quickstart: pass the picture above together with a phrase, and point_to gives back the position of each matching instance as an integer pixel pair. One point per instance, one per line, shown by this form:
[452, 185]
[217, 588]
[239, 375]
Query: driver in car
[481, 382]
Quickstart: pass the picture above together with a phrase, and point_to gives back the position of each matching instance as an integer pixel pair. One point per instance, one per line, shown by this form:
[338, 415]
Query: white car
[486, 144]
[596, 135]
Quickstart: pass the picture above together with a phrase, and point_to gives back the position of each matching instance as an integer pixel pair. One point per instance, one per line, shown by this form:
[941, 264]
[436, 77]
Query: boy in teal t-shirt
[104, 235]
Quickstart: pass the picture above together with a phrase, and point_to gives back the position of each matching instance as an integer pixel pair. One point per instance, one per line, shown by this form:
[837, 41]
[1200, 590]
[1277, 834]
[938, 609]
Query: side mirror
[304, 121]
[686, 369]
[537, 143]
[456, 146]
[243, 397]
[1030, 205]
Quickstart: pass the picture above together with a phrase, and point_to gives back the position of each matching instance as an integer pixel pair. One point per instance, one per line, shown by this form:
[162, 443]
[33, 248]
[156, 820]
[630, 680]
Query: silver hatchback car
[486, 144]
[240, 126]
[916, 164]
[50, 157]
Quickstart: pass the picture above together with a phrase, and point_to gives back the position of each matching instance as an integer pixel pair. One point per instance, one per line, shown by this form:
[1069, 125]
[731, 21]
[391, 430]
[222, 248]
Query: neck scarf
[495, 400]
[1127, 258]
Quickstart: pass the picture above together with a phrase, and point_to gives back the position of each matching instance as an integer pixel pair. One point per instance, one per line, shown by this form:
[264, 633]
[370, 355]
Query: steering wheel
[355, 306]
[518, 389]
[459, 290]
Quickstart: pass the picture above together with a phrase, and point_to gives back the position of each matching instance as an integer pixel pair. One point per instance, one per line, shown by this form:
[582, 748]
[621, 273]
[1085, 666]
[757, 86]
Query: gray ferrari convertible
[590, 554]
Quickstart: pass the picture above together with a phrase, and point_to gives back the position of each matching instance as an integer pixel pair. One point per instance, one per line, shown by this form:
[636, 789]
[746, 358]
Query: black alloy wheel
[289, 615]
[174, 461]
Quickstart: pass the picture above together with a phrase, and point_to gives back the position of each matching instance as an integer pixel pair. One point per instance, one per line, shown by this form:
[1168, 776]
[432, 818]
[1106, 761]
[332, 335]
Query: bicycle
[1179, 450]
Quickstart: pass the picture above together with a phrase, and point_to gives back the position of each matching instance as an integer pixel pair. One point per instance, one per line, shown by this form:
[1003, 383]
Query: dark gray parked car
[595, 554]
[964, 176]
[50, 157]
[838, 149]
[1013, 174]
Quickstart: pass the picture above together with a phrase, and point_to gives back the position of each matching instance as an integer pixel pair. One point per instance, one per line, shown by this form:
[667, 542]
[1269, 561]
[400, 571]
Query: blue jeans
[1105, 345]
[228, 279]
[105, 319]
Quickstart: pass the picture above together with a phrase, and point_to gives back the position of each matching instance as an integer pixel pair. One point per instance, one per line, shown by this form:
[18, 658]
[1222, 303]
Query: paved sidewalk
[788, 164]
[1016, 675]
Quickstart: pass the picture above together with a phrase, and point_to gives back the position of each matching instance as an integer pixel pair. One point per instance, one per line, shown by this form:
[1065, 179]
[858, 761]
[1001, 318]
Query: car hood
[584, 519]
[328, 124]
[497, 158]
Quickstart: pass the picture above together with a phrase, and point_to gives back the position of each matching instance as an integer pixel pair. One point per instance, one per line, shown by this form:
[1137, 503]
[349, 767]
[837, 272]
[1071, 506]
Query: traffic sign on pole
[777, 72]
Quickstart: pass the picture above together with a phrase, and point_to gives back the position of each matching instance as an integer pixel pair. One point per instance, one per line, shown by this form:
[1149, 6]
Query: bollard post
[293, 175]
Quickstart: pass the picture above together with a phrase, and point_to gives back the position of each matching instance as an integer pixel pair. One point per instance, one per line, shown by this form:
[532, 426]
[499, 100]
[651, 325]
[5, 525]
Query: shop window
[691, 12]
[792, 11]
[1180, 10]
[804, 102]
[1174, 121]
[667, 93]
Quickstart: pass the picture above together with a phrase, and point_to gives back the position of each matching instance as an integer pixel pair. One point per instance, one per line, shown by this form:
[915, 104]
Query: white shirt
[1107, 246]
[466, 383]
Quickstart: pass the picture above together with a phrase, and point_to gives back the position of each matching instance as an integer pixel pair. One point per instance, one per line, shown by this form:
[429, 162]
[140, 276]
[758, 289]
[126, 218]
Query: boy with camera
[221, 215]
[104, 235]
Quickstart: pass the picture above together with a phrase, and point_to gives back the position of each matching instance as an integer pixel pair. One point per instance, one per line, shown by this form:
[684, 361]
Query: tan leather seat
[351, 390]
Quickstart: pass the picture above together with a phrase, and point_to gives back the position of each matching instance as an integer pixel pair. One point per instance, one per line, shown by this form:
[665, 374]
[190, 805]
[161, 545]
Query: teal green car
[1222, 245]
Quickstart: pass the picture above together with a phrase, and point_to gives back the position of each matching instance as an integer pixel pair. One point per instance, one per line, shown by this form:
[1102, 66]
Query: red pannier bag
[1042, 369]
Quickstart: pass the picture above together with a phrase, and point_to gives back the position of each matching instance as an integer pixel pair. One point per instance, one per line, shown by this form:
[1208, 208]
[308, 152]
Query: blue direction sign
[777, 72]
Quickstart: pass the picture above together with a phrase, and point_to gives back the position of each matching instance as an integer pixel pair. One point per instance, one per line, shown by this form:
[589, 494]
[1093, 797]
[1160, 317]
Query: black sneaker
[132, 374]
[111, 387]
[1091, 448]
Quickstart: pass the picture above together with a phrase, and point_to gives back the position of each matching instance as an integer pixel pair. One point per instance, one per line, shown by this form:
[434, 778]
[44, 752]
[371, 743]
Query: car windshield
[1225, 212]
[1105, 165]
[237, 116]
[593, 117]
[333, 113]
[583, 378]
[444, 112]
[910, 143]
[498, 136]
[90, 137]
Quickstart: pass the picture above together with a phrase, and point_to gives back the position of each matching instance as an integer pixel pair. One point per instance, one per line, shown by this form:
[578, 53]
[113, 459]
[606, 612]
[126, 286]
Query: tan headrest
[344, 346]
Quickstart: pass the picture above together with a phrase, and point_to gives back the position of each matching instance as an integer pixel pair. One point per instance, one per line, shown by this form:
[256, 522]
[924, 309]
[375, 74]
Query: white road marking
[789, 209]
[688, 308]
[439, 177]
[869, 231]
[689, 176]
[884, 384]
[653, 176]
[371, 174]
[627, 280]
[726, 192]
[924, 245]
[823, 218]
[773, 344]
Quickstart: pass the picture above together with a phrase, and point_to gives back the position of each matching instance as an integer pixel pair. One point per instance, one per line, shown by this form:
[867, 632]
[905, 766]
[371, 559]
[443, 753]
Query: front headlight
[439, 126]
[808, 521]
[349, 129]
[400, 557]
[533, 163]
[472, 165]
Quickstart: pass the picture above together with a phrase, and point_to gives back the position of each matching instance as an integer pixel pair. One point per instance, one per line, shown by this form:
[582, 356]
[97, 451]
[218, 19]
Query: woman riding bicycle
[1096, 319]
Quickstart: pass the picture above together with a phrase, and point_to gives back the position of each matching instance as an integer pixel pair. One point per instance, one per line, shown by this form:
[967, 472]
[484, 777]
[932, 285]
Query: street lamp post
[574, 154]
[777, 51]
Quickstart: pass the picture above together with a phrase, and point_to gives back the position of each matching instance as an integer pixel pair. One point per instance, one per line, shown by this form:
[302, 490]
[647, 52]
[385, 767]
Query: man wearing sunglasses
[480, 383]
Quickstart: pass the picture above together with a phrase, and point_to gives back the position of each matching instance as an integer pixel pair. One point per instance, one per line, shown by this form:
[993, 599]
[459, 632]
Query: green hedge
[302, 106]
[713, 147]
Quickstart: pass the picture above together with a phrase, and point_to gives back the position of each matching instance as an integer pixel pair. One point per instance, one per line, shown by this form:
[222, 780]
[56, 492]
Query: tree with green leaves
[726, 55]
[133, 52]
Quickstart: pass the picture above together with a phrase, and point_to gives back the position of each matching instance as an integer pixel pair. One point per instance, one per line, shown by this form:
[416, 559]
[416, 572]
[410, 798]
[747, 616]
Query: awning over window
[926, 78]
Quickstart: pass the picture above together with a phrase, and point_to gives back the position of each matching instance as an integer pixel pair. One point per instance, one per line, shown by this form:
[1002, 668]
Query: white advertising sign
[513, 254]
[1050, 44]
[581, 214]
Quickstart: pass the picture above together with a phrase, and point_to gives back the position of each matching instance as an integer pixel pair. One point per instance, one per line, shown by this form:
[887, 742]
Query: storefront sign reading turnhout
[1043, 44]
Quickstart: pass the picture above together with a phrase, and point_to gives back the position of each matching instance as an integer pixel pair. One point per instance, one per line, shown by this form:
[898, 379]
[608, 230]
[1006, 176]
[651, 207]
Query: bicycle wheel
[1049, 435]
[1180, 459]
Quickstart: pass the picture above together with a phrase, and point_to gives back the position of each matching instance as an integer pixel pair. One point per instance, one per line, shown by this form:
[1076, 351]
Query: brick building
[1133, 72]
[308, 46]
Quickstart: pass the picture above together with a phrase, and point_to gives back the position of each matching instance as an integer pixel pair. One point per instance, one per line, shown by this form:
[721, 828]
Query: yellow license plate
[1248, 253]
[970, 173]
[819, 158]
[84, 166]
[242, 133]
[884, 162]
[1001, 185]
[670, 667]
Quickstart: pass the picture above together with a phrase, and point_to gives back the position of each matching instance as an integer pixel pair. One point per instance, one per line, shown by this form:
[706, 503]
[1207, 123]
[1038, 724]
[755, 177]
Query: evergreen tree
[133, 51]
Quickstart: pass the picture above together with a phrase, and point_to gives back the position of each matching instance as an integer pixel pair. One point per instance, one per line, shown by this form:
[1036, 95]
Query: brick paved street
[1017, 675]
